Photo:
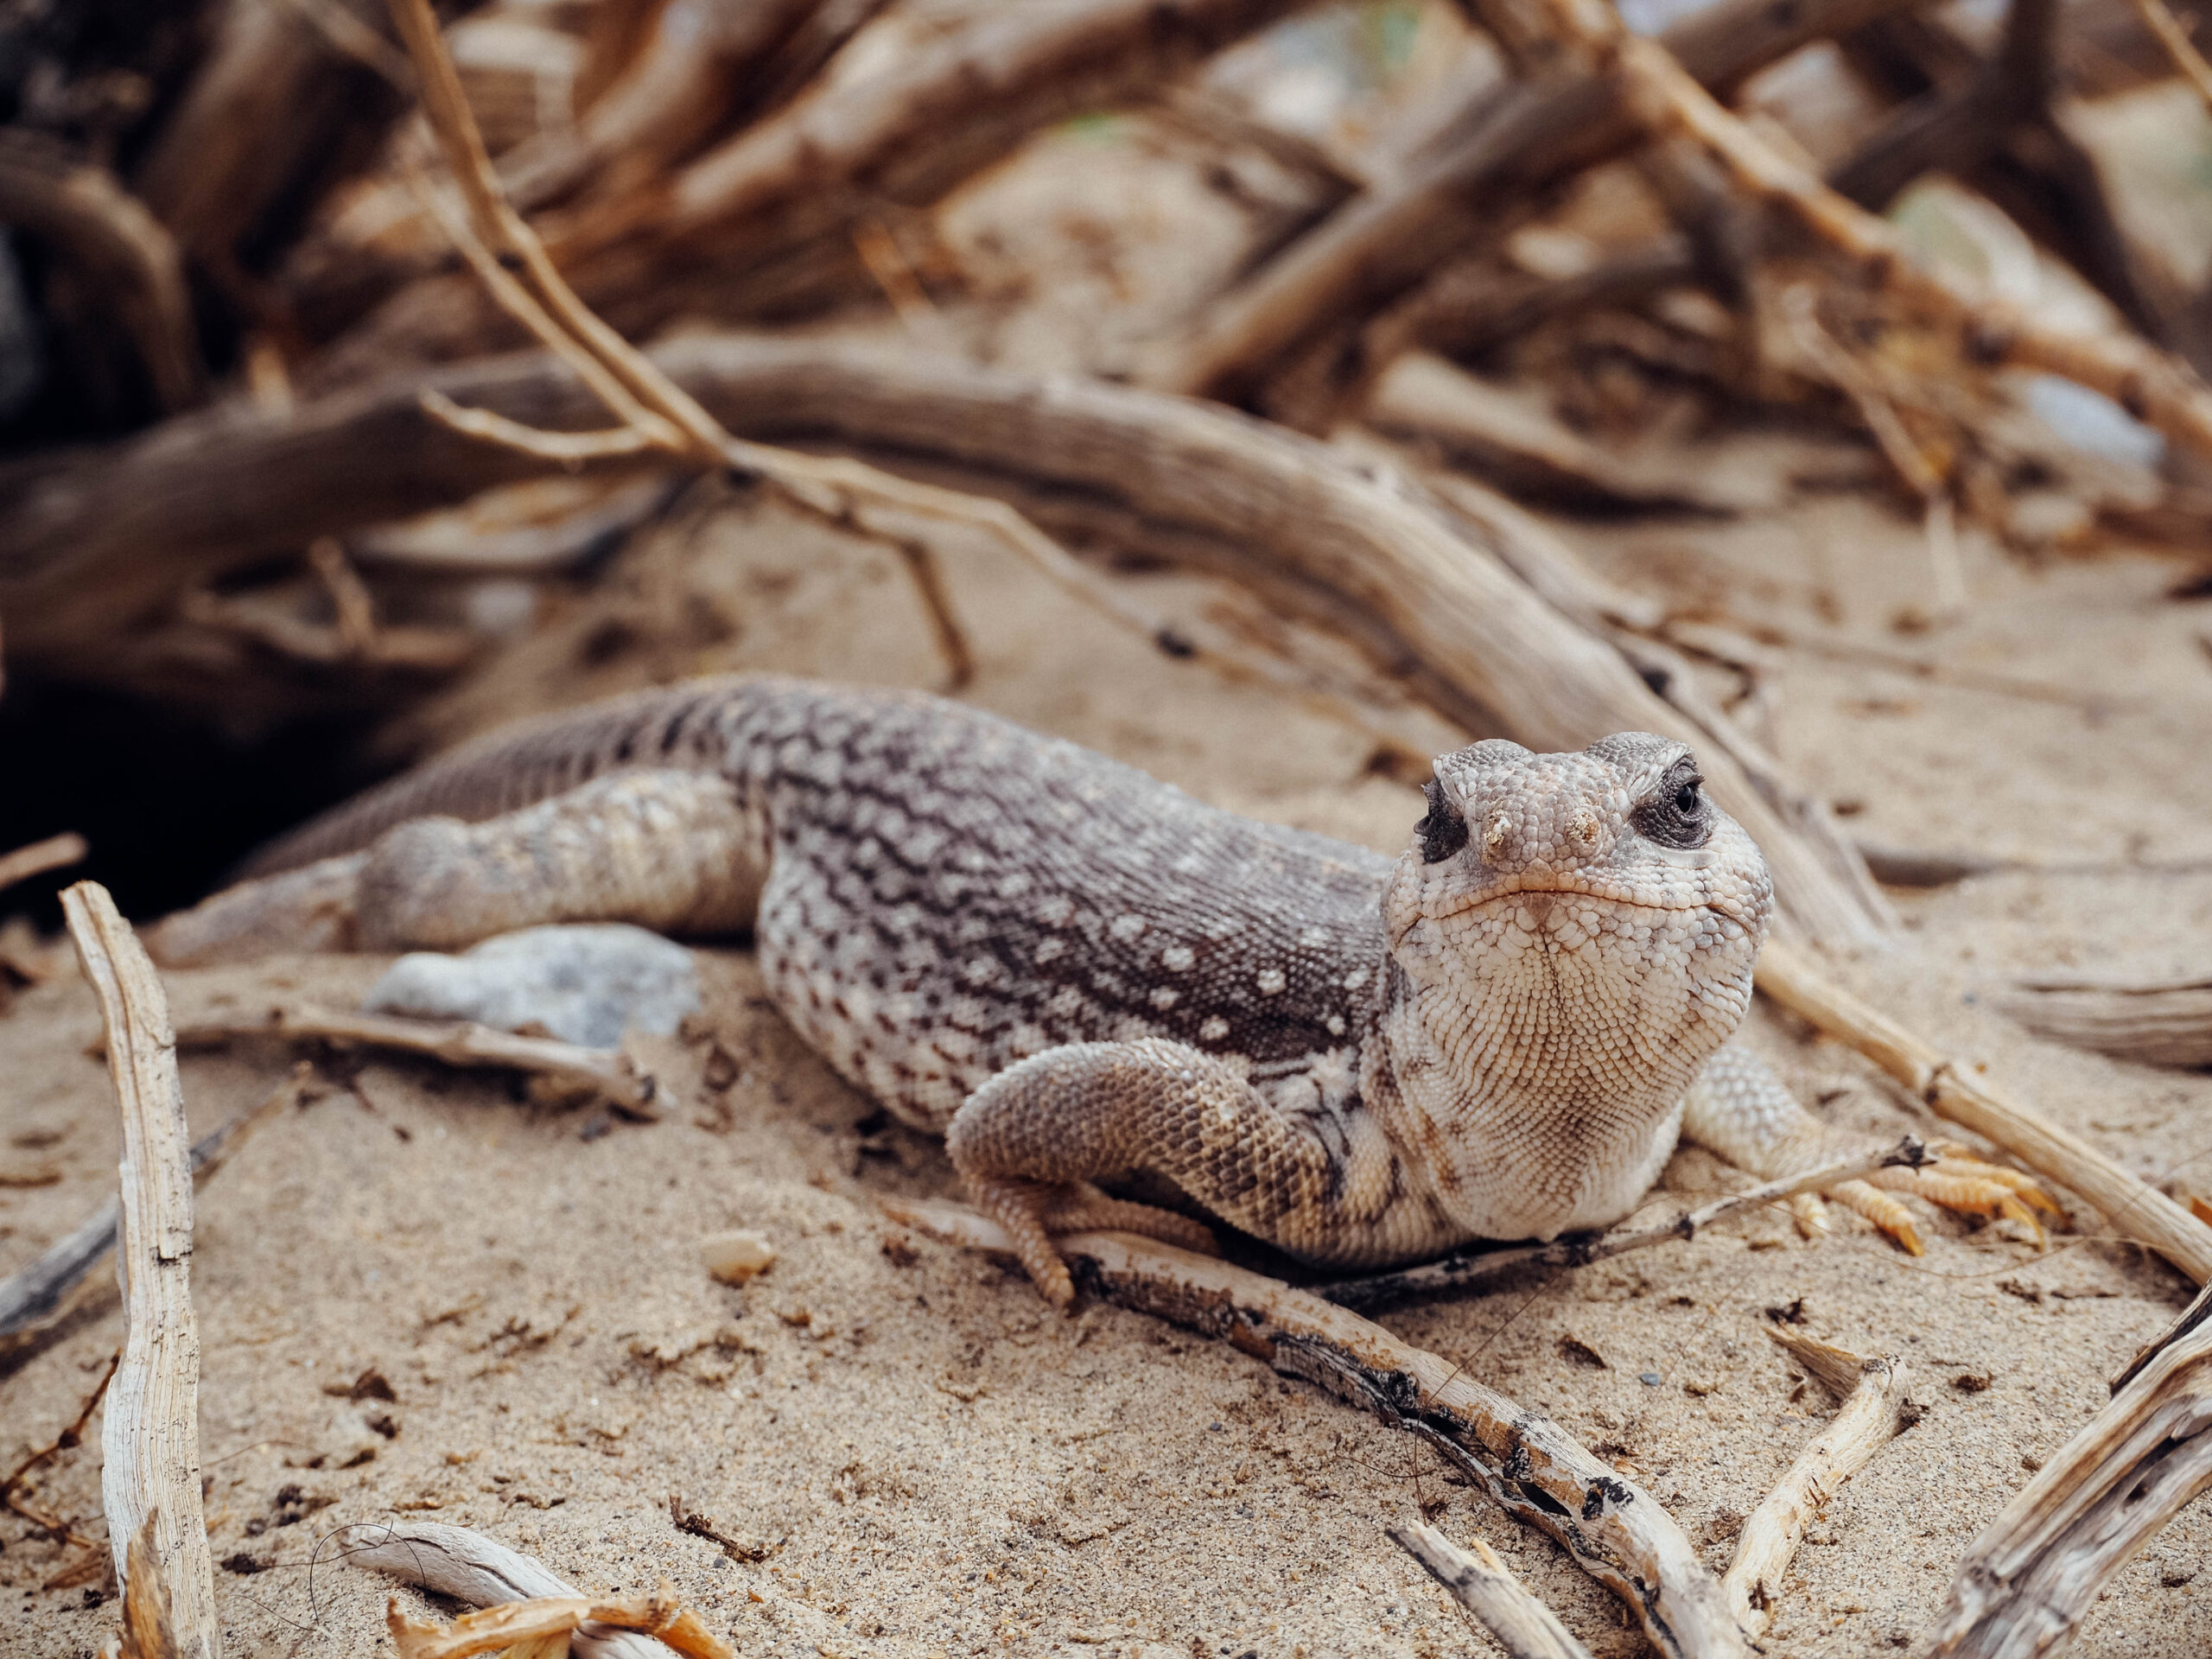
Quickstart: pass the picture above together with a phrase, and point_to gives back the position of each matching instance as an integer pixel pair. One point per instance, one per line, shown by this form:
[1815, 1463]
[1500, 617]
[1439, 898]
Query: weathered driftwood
[602, 1072]
[84, 214]
[33, 1297]
[1872, 1415]
[1614, 1530]
[1399, 571]
[479, 1571]
[2030, 1574]
[1483, 1585]
[1954, 1091]
[1384, 240]
[150, 1440]
[1465, 1269]
[2157, 1019]
[545, 1627]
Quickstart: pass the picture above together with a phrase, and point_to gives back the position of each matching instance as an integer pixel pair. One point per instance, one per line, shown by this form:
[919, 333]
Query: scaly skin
[1075, 972]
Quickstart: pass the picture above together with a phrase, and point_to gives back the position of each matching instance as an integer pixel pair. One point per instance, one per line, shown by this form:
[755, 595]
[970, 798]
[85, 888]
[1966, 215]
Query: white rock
[735, 1257]
[585, 983]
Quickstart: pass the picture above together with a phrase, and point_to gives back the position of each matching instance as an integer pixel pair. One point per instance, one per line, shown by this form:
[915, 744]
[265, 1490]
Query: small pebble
[735, 1257]
[1649, 1379]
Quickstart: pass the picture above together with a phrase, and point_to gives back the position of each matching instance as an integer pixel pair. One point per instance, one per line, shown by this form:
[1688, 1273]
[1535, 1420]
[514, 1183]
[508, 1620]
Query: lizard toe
[1091, 1211]
[1888, 1214]
[1020, 1207]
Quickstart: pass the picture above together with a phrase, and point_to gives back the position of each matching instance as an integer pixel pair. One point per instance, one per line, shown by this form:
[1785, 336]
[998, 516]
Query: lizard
[1074, 972]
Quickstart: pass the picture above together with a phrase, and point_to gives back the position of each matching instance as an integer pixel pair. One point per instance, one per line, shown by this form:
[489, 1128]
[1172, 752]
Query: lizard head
[1576, 934]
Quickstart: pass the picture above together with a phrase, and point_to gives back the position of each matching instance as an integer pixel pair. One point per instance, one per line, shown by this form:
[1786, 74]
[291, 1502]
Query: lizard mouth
[1539, 893]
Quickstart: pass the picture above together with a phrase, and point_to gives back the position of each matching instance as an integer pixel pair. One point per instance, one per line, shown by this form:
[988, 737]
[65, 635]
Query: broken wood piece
[1953, 1090]
[1616, 1532]
[1872, 1415]
[2030, 1574]
[148, 1630]
[605, 1073]
[150, 1438]
[2153, 1019]
[33, 1297]
[1464, 1269]
[482, 1573]
[1483, 1585]
[521, 1625]
[54, 853]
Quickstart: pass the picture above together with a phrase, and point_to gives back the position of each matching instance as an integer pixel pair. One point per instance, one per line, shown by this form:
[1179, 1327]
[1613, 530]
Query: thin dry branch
[1616, 1531]
[54, 853]
[2030, 1574]
[1483, 1585]
[604, 1072]
[477, 1571]
[1462, 1270]
[2154, 386]
[2171, 35]
[151, 1441]
[11, 1489]
[517, 1625]
[1953, 1089]
[1872, 1413]
[122, 249]
[1420, 586]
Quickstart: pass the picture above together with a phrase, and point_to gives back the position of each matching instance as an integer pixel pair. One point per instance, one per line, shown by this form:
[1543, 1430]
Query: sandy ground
[926, 1460]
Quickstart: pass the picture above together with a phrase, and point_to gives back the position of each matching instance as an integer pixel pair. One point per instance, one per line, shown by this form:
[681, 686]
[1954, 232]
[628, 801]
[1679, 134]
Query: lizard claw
[1956, 1182]
[1033, 1211]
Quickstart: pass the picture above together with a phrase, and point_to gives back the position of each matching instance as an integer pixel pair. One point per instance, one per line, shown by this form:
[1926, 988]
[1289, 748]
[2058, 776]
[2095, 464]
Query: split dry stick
[480, 1571]
[150, 1439]
[2160, 19]
[54, 853]
[605, 1071]
[2030, 1574]
[1463, 1270]
[1483, 1585]
[1616, 1532]
[2154, 386]
[1872, 1415]
[2163, 1019]
[1951, 1089]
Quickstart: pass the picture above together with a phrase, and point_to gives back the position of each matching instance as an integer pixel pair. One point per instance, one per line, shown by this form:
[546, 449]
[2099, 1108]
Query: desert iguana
[1073, 971]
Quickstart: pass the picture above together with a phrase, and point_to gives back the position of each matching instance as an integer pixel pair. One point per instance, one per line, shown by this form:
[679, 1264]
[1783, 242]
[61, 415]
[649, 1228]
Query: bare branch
[1481, 1583]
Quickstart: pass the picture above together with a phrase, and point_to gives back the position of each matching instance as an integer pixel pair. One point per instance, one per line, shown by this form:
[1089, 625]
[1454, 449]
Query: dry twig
[522, 1625]
[150, 1477]
[54, 853]
[1463, 1270]
[1872, 1415]
[11, 1489]
[1951, 1089]
[2163, 1019]
[605, 1072]
[1483, 1585]
[1615, 1531]
[2167, 28]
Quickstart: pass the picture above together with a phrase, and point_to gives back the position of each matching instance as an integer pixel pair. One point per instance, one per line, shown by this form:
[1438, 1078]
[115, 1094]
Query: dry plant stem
[553, 1619]
[1481, 1583]
[479, 1571]
[151, 1437]
[54, 853]
[1412, 582]
[2027, 1581]
[1951, 1090]
[605, 1071]
[1616, 1531]
[2154, 386]
[2161, 22]
[83, 212]
[10, 1489]
[33, 1297]
[1871, 1416]
[1463, 1270]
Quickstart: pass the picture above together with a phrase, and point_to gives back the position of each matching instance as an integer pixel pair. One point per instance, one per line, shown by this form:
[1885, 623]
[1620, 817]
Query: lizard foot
[1957, 1182]
[1032, 1212]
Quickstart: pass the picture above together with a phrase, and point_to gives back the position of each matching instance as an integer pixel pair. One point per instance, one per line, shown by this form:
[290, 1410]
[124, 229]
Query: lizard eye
[1676, 814]
[1443, 832]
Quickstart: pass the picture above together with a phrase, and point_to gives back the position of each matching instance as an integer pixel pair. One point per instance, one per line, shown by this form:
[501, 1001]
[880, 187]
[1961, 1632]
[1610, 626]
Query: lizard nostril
[1494, 834]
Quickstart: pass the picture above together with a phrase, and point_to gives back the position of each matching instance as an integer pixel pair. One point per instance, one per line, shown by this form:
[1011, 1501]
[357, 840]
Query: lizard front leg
[1740, 1110]
[665, 849]
[1037, 1133]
